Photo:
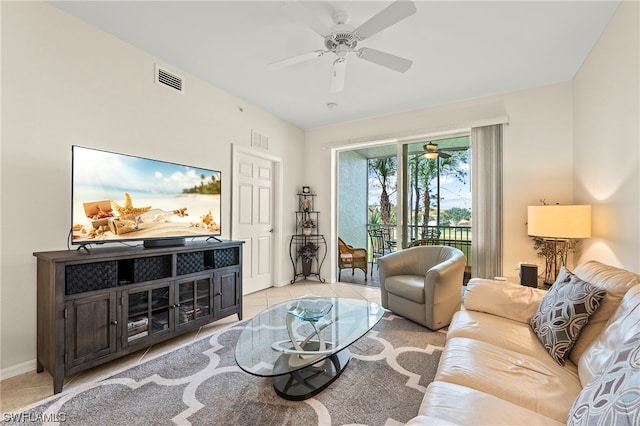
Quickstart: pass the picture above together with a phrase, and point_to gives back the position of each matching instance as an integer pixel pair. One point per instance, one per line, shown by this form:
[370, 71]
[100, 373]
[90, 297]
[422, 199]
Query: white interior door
[253, 207]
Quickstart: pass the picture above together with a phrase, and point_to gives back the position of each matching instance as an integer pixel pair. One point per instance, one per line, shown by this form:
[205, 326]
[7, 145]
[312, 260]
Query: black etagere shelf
[307, 248]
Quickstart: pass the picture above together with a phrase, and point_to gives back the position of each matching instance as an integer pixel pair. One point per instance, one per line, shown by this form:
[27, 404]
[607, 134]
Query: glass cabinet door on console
[193, 300]
[147, 311]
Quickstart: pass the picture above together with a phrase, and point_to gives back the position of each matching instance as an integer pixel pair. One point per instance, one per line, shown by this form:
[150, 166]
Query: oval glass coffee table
[303, 343]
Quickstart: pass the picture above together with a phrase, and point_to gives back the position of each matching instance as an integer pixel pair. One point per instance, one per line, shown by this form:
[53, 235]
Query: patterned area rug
[200, 384]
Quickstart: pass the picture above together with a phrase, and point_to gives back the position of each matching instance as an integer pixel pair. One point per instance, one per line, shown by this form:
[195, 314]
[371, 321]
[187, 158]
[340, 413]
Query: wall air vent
[259, 140]
[169, 79]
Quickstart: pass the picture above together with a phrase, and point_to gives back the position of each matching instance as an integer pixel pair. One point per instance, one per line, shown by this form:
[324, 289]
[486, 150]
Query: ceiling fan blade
[394, 13]
[388, 60]
[442, 154]
[454, 148]
[301, 13]
[295, 59]
[338, 74]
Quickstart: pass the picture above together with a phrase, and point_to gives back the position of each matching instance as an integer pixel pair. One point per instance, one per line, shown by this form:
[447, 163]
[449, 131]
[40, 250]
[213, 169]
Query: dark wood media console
[95, 307]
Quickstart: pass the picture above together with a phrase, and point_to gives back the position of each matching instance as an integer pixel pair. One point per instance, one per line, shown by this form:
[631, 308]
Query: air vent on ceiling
[259, 140]
[168, 79]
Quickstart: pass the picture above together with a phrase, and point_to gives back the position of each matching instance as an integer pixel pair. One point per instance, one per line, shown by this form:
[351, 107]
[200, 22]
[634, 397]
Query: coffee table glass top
[298, 333]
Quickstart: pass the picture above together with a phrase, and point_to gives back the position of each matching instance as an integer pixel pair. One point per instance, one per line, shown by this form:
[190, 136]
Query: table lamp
[557, 225]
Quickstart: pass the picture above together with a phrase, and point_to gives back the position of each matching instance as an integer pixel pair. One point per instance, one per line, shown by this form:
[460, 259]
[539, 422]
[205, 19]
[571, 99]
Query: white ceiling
[460, 50]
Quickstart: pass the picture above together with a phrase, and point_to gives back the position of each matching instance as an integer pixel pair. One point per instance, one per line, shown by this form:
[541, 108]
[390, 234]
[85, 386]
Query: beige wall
[607, 141]
[65, 83]
[537, 152]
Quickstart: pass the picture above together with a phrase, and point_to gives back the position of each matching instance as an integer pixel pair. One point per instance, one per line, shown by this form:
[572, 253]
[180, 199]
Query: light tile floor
[28, 388]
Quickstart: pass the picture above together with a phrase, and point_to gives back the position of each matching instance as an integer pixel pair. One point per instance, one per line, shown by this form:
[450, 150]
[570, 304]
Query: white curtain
[486, 204]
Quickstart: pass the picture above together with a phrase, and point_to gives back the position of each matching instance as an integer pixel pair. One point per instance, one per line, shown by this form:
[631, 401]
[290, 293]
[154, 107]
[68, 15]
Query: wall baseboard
[18, 369]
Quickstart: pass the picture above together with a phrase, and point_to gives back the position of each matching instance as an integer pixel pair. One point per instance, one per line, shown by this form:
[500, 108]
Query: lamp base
[555, 251]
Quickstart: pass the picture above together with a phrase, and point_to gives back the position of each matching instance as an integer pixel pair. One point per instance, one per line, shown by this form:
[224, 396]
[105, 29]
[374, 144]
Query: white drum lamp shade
[561, 222]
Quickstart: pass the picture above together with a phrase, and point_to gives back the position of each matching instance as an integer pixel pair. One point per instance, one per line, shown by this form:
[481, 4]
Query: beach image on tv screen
[121, 197]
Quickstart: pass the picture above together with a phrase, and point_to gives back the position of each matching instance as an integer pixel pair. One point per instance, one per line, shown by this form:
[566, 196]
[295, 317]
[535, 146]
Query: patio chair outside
[351, 258]
[379, 245]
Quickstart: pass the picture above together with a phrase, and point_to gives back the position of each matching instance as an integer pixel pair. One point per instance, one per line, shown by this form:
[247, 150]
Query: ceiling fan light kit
[430, 155]
[431, 151]
[342, 39]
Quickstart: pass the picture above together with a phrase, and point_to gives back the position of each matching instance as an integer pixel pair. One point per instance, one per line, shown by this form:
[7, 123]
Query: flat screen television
[123, 198]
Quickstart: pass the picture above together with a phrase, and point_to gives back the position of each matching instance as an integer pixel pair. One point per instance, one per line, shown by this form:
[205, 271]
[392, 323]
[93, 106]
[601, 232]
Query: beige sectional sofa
[495, 371]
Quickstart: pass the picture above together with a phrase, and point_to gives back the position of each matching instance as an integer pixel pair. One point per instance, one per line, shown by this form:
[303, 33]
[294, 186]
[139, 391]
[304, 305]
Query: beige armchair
[423, 284]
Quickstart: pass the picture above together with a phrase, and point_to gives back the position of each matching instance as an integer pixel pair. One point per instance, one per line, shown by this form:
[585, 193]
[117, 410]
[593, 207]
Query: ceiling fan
[342, 40]
[431, 151]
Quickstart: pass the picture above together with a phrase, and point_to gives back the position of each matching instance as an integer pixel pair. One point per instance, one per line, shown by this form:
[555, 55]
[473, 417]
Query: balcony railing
[454, 236]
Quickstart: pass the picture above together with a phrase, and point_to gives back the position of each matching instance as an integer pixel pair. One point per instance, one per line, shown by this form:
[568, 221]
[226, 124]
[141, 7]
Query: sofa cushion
[564, 310]
[444, 401]
[622, 324]
[502, 298]
[616, 282]
[612, 397]
[539, 385]
[509, 334]
[409, 287]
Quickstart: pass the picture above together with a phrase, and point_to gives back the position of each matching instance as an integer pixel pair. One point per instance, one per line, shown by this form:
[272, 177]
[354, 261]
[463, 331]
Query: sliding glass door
[418, 190]
[438, 193]
[438, 188]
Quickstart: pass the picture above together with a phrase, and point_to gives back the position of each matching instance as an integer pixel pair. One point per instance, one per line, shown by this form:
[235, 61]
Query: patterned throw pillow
[564, 310]
[612, 397]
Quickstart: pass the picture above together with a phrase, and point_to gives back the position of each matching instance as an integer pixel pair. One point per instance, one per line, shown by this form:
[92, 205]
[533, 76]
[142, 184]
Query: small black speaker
[529, 275]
